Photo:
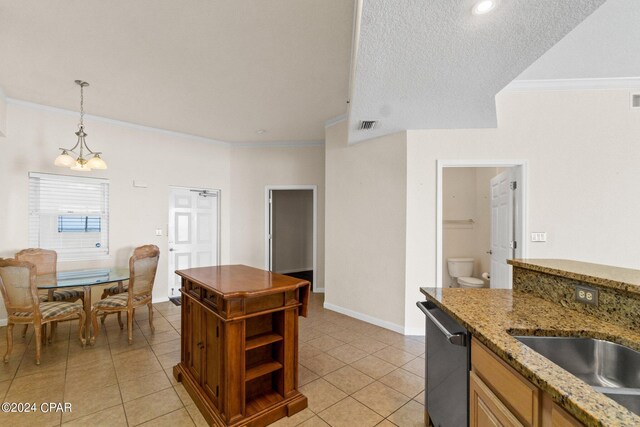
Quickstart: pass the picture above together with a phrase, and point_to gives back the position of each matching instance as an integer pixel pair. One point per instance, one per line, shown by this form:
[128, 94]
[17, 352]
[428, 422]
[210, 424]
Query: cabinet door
[194, 339]
[485, 409]
[211, 368]
[554, 416]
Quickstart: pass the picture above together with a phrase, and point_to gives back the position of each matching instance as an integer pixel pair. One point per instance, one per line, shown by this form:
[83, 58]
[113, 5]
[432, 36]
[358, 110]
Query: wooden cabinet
[499, 396]
[239, 343]
[212, 355]
[554, 415]
[193, 338]
[201, 347]
[485, 409]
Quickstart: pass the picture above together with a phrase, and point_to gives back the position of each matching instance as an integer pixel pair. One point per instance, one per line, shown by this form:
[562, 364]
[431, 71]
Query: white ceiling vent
[635, 101]
[367, 124]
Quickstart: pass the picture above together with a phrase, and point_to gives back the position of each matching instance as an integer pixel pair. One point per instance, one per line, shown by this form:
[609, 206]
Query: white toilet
[461, 270]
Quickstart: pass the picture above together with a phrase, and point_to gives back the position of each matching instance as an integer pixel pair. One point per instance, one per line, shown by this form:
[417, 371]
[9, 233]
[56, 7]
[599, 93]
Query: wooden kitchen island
[239, 343]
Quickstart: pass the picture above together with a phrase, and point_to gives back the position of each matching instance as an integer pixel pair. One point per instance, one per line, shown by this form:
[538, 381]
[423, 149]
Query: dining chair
[46, 262]
[143, 265]
[113, 290]
[20, 294]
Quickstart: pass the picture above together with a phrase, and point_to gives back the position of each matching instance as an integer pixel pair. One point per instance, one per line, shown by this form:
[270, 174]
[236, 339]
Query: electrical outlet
[539, 236]
[158, 231]
[586, 295]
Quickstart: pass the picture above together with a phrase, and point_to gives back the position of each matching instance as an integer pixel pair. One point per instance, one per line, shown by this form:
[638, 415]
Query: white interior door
[193, 233]
[502, 227]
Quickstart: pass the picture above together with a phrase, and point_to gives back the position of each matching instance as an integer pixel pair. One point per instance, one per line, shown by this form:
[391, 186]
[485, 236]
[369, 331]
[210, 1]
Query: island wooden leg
[234, 371]
[290, 318]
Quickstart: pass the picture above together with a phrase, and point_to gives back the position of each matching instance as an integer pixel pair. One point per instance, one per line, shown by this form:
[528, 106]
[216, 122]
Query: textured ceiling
[605, 45]
[214, 68]
[425, 65]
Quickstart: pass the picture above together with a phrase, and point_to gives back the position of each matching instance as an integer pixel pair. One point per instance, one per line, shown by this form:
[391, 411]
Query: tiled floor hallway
[353, 373]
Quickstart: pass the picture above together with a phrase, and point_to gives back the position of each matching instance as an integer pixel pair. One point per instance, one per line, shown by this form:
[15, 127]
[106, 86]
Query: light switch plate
[539, 236]
[158, 231]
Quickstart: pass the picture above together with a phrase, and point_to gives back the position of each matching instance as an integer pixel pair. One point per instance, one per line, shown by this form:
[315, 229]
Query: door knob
[171, 249]
[490, 252]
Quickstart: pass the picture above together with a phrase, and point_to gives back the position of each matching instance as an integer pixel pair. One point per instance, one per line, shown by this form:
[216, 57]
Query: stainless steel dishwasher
[447, 366]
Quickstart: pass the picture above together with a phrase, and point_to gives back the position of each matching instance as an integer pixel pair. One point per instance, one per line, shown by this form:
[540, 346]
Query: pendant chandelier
[80, 150]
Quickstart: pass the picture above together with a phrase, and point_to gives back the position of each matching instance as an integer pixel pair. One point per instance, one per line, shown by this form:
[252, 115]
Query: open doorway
[291, 232]
[193, 231]
[481, 222]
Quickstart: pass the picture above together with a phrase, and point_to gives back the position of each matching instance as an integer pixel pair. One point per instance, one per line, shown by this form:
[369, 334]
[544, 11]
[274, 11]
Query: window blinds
[55, 198]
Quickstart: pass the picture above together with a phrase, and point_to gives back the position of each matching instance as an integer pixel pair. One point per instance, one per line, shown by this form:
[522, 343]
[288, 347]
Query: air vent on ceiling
[367, 124]
[635, 100]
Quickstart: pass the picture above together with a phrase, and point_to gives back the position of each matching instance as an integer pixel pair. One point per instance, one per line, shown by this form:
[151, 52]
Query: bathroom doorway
[481, 216]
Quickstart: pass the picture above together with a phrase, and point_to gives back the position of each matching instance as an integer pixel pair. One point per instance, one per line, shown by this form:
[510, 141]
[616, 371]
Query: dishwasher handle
[459, 338]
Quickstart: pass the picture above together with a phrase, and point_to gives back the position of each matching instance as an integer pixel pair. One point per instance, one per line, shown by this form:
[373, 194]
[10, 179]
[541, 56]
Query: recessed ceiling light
[260, 131]
[484, 6]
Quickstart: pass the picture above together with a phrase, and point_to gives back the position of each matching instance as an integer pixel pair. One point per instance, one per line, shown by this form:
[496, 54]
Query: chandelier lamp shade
[83, 159]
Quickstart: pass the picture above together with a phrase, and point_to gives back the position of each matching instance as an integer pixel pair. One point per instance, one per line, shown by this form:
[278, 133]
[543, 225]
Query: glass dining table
[85, 279]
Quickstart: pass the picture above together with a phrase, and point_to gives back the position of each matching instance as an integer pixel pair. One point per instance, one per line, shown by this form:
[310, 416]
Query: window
[78, 224]
[70, 215]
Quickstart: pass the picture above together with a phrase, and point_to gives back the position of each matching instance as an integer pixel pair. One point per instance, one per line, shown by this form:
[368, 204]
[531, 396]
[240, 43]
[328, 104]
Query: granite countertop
[624, 279]
[492, 314]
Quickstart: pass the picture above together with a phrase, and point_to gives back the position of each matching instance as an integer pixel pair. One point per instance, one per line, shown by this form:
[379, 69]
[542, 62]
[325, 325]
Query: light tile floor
[352, 372]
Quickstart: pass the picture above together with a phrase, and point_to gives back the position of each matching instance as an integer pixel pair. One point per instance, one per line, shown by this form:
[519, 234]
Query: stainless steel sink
[610, 368]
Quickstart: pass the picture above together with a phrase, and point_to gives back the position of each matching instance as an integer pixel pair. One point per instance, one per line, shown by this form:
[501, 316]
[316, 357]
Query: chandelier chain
[81, 105]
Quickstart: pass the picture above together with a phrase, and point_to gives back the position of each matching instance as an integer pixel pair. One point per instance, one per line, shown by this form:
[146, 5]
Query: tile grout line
[66, 367]
[106, 334]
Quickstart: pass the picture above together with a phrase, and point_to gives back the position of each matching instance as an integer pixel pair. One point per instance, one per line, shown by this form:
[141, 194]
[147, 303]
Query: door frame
[218, 194]
[480, 163]
[267, 246]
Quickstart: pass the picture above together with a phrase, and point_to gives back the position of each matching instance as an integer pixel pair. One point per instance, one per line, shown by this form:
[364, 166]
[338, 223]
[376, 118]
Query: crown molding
[121, 123]
[269, 144]
[335, 120]
[573, 84]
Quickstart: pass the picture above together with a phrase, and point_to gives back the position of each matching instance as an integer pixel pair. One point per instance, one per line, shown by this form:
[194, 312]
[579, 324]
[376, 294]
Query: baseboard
[415, 331]
[319, 290]
[3, 322]
[365, 318]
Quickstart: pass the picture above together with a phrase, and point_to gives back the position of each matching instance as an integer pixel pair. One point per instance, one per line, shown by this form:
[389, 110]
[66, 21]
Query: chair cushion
[67, 294]
[115, 290]
[119, 300]
[53, 309]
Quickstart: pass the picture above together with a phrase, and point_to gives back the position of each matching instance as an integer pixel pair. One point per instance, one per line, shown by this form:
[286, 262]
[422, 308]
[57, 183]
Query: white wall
[292, 233]
[3, 114]
[365, 226]
[252, 169]
[132, 153]
[583, 155]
